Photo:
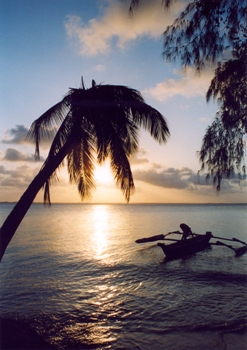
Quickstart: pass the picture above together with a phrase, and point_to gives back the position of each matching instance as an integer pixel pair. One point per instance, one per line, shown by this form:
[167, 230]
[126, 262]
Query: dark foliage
[223, 150]
[204, 31]
[204, 34]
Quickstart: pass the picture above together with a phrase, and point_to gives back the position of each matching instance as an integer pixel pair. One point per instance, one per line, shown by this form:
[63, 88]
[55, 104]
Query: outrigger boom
[191, 243]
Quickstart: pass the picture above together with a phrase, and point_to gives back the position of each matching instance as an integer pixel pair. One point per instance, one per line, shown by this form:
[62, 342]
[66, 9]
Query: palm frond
[151, 120]
[121, 98]
[47, 198]
[44, 128]
[115, 101]
[120, 165]
[80, 161]
[104, 96]
[121, 170]
[115, 123]
[62, 143]
[67, 133]
[51, 179]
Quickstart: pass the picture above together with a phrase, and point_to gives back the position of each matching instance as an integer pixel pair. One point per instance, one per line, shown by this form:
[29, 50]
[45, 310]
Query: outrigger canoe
[186, 247]
[191, 244]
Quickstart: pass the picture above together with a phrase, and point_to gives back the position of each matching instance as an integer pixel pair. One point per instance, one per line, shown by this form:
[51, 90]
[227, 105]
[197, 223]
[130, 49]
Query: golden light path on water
[88, 234]
[105, 293]
[100, 230]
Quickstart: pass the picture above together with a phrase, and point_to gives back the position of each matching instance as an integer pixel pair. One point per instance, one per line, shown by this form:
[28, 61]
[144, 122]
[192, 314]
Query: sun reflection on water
[100, 231]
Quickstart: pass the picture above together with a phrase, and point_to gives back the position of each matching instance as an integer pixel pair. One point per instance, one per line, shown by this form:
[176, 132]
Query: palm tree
[92, 125]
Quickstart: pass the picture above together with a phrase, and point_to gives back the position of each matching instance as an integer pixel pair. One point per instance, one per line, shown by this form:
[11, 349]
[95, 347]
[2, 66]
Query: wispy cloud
[15, 135]
[116, 26]
[18, 134]
[183, 179]
[21, 177]
[139, 158]
[13, 155]
[168, 178]
[187, 84]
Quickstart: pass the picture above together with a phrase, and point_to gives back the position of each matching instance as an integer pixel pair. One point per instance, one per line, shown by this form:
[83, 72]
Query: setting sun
[103, 175]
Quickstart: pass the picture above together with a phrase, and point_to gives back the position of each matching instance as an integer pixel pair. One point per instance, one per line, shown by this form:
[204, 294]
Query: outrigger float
[191, 243]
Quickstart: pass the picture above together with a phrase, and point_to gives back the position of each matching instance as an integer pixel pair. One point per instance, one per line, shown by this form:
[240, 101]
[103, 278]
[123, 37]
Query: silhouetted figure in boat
[186, 231]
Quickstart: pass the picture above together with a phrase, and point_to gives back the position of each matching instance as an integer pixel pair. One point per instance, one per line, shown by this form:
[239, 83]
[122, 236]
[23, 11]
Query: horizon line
[135, 203]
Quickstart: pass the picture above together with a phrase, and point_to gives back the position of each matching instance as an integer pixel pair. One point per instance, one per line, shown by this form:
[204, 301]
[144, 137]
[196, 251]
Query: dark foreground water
[75, 274]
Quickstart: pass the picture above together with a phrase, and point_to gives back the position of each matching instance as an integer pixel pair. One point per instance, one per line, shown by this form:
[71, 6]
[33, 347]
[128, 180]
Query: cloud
[188, 84]
[21, 177]
[15, 135]
[117, 26]
[13, 155]
[18, 136]
[139, 157]
[4, 171]
[185, 179]
[168, 178]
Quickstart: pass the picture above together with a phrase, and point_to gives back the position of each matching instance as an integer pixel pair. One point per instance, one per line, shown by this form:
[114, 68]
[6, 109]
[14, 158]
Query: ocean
[74, 273]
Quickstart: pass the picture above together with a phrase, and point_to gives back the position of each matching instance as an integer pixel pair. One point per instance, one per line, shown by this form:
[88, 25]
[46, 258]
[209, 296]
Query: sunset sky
[47, 45]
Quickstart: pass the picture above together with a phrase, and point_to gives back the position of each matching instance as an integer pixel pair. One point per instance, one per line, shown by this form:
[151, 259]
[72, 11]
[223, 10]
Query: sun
[103, 175]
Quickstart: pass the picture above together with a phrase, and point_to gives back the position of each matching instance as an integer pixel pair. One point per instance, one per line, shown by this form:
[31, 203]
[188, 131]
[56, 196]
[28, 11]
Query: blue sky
[47, 45]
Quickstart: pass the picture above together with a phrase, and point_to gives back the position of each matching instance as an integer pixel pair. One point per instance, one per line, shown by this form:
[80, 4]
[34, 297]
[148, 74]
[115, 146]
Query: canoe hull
[187, 247]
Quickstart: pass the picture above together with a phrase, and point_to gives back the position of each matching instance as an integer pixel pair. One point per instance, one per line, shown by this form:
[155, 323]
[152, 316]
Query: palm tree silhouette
[93, 124]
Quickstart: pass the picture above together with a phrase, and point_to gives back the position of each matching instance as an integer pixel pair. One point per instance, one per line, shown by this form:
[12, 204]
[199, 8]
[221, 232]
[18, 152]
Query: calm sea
[78, 277]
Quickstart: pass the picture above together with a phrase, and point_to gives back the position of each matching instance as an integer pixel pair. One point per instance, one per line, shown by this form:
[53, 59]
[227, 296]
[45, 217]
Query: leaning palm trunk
[14, 219]
[93, 125]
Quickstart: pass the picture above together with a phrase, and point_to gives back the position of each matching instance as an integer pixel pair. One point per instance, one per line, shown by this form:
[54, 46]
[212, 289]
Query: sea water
[76, 274]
